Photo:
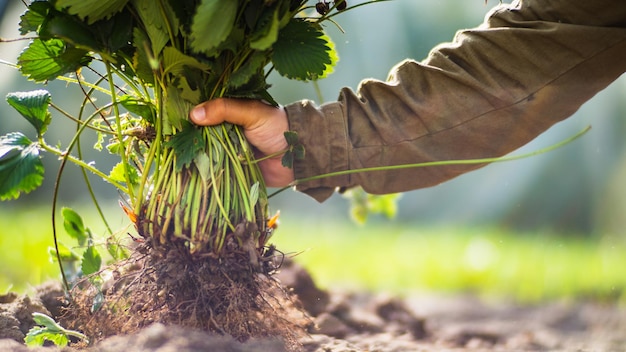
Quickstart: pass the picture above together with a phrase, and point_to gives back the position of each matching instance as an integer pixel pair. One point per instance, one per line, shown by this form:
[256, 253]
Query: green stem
[154, 153]
[55, 197]
[120, 135]
[79, 128]
[81, 163]
[80, 122]
[438, 163]
[335, 13]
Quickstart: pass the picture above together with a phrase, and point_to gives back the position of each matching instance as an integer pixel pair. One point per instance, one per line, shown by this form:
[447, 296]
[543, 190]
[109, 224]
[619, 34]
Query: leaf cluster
[201, 43]
[171, 54]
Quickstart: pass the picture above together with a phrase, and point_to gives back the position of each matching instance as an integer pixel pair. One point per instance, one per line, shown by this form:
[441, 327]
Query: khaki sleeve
[493, 89]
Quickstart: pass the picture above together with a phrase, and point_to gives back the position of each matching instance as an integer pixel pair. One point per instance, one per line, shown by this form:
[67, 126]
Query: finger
[241, 112]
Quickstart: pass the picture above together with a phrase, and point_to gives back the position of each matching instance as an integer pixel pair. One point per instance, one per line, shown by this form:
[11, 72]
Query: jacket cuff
[323, 133]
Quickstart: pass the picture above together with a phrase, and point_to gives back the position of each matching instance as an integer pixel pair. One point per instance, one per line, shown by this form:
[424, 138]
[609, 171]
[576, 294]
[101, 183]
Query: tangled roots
[222, 295]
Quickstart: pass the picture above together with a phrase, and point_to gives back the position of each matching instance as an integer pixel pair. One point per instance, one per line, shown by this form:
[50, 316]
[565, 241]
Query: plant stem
[439, 162]
[120, 136]
[81, 163]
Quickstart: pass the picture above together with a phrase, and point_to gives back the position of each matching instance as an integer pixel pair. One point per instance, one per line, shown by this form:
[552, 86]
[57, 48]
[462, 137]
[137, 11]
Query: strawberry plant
[199, 254]
[194, 195]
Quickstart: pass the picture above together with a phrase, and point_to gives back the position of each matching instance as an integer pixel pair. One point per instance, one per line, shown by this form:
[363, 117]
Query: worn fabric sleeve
[494, 88]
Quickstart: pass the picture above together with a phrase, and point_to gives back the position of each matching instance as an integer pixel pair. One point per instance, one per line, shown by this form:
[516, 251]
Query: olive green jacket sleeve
[530, 65]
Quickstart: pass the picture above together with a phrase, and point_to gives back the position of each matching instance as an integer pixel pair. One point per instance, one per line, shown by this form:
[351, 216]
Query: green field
[387, 256]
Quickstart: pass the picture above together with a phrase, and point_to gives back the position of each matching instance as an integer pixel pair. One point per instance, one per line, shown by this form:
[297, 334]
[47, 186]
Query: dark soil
[351, 321]
[224, 295]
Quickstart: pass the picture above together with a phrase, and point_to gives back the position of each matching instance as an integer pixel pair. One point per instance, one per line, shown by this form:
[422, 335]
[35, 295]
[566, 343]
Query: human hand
[264, 127]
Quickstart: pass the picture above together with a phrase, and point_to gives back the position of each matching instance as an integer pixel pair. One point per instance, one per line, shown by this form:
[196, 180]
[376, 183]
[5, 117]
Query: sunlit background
[544, 227]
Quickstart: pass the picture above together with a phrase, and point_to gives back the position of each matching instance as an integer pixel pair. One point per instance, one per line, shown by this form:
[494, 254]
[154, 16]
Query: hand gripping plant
[194, 194]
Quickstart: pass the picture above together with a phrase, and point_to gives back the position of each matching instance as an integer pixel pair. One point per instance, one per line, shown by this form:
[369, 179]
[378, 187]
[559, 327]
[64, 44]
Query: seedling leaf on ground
[49, 330]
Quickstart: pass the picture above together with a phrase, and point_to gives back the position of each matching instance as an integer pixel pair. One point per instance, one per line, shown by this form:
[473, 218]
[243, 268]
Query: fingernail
[197, 114]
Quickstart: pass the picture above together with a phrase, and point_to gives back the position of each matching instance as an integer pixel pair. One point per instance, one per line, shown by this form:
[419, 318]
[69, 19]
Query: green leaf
[203, 164]
[254, 194]
[115, 33]
[287, 159]
[47, 330]
[21, 169]
[266, 36]
[99, 141]
[175, 62]
[46, 60]
[60, 340]
[66, 254]
[298, 152]
[141, 57]
[212, 23]
[187, 144]
[253, 66]
[92, 10]
[142, 108]
[302, 51]
[33, 106]
[34, 16]
[47, 322]
[116, 251]
[176, 107]
[70, 29]
[118, 173]
[156, 25]
[189, 97]
[291, 137]
[91, 261]
[74, 226]
[38, 336]
[184, 11]
[265, 95]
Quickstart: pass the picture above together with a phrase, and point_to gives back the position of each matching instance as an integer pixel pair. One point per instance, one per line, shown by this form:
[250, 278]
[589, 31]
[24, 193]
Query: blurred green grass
[487, 261]
[384, 256]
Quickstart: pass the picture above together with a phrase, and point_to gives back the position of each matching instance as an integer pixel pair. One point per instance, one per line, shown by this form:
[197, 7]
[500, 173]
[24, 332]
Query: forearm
[492, 90]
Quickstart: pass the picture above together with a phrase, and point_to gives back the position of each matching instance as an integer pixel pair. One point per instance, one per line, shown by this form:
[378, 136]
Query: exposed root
[222, 295]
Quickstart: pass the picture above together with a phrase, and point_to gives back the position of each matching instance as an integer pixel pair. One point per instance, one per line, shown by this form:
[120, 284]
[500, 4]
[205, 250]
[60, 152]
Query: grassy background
[487, 261]
[387, 256]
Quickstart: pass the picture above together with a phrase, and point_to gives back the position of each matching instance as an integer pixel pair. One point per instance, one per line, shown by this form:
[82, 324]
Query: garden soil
[364, 321]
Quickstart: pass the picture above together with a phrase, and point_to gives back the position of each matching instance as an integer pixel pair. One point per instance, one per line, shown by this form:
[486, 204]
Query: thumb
[241, 112]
